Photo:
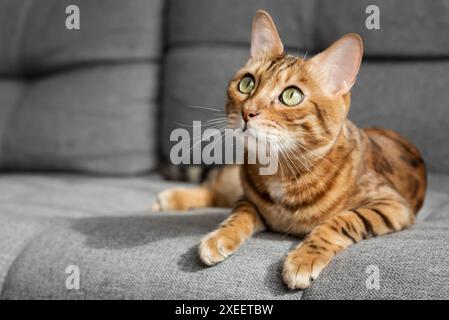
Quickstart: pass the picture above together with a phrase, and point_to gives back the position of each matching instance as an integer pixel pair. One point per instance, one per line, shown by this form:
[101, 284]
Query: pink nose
[249, 114]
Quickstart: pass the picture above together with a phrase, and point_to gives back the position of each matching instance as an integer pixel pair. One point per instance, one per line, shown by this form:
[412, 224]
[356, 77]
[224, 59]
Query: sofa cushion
[17, 231]
[411, 264]
[228, 22]
[152, 257]
[81, 100]
[415, 29]
[87, 119]
[35, 39]
[410, 97]
[123, 251]
[10, 93]
[29, 205]
[59, 196]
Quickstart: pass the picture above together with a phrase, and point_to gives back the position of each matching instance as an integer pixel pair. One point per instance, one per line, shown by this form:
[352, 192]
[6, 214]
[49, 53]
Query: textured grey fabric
[30, 204]
[81, 100]
[124, 251]
[153, 257]
[10, 92]
[35, 39]
[211, 22]
[413, 28]
[16, 231]
[91, 119]
[76, 196]
[409, 97]
[412, 264]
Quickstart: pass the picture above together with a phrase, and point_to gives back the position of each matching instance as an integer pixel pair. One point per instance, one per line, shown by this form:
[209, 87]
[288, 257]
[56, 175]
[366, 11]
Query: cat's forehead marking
[277, 72]
[275, 67]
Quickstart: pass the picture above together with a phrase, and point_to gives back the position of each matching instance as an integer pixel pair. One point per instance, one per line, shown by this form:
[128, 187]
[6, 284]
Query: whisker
[203, 108]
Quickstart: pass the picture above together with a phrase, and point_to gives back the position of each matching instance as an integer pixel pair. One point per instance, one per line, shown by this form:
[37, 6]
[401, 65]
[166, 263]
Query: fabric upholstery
[81, 100]
[228, 22]
[10, 92]
[16, 233]
[416, 28]
[124, 251]
[99, 121]
[35, 39]
[409, 97]
[29, 205]
[411, 265]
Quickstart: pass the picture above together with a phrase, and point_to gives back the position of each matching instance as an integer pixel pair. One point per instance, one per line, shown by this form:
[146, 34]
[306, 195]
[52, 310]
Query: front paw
[171, 200]
[302, 266]
[216, 247]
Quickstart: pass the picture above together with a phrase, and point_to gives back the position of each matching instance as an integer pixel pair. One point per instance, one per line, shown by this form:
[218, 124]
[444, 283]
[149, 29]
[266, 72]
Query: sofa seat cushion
[146, 257]
[123, 250]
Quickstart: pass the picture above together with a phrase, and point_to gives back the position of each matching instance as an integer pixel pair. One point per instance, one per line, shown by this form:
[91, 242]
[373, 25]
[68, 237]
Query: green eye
[291, 96]
[246, 85]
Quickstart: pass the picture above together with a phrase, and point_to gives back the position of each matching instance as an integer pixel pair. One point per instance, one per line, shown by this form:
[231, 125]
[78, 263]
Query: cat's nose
[246, 115]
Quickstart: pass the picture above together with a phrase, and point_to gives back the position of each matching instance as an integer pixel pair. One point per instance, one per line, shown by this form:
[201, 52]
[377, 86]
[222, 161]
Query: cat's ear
[340, 63]
[265, 40]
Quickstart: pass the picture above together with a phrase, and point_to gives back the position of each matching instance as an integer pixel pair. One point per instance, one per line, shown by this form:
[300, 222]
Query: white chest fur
[275, 189]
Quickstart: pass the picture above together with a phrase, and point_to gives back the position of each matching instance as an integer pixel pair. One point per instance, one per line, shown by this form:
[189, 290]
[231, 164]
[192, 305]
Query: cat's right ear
[340, 63]
[265, 40]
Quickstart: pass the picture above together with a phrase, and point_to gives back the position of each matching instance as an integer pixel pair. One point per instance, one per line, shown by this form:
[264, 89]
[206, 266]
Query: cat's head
[300, 104]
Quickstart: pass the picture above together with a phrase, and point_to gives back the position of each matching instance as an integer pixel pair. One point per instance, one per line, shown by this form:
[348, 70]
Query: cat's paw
[301, 267]
[216, 247]
[170, 200]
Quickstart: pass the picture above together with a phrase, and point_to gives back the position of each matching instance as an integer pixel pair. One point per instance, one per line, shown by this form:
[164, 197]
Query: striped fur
[336, 184]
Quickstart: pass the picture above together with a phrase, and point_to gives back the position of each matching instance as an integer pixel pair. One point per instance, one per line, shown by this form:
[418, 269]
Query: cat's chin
[247, 136]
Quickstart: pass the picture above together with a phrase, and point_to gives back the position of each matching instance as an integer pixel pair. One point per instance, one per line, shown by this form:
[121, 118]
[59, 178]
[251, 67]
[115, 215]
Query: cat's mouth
[259, 129]
[249, 129]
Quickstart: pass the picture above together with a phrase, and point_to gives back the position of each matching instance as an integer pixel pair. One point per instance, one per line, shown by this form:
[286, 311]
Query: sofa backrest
[79, 99]
[402, 83]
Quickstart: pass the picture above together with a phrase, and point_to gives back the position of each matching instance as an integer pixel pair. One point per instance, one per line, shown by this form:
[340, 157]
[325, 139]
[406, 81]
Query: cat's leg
[232, 233]
[181, 199]
[221, 189]
[309, 258]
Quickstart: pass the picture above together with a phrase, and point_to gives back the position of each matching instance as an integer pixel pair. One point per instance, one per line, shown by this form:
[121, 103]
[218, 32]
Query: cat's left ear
[265, 40]
[340, 63]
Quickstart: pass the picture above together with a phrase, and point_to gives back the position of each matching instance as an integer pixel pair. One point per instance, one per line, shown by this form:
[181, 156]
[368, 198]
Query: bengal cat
[336, 184]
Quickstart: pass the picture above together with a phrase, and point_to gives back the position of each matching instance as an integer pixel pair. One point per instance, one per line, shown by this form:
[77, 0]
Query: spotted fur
[336, 184]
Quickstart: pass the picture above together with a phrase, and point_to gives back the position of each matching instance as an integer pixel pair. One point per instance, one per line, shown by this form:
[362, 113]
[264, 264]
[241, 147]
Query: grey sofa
[85, 115]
